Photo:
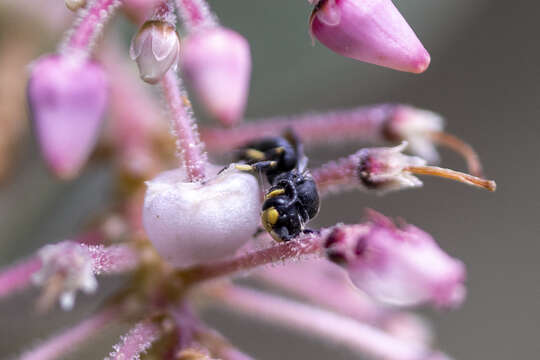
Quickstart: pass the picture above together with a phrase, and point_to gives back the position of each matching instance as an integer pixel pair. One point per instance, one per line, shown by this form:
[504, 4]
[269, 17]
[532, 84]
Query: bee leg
[281, 234]
[263, 166]
[310, 231]
[290, 189]
[259, 231]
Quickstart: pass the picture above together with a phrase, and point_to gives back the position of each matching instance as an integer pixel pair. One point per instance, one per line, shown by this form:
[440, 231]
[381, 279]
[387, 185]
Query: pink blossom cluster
[185, 231]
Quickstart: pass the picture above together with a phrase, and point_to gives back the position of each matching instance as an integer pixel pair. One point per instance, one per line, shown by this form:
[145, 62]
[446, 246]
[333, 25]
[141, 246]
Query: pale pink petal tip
[371, 31]
[217, 63]
[67, 97]
[402, 266]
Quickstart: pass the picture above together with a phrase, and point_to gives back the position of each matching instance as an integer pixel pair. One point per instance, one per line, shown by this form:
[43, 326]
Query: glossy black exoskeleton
[292, 200]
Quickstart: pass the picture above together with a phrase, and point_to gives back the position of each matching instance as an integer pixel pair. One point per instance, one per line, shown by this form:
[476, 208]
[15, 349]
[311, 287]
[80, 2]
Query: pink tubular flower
[217, 63]
[155, 48]
[67, 97]
[401, 266]
[369, 30]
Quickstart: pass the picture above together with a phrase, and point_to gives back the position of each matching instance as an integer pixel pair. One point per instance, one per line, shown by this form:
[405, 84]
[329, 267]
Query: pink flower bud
[155, 48]
[67, 97]
[217, 62]
[400, 266]
[190, 223]
[369, 30]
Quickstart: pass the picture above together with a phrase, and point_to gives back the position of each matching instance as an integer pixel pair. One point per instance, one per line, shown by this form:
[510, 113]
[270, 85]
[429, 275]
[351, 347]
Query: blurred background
[484, 79]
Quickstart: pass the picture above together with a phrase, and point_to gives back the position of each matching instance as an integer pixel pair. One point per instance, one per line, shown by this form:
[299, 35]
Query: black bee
[292, 199]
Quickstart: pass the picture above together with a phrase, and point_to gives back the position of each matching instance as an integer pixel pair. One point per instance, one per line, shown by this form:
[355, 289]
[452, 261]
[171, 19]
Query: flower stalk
[88, 26]
[196, 14]
[137, 341]
[306, 245]
[18, 276]
[384, 169]
[422, 130]
[183, 125]
[317, 322]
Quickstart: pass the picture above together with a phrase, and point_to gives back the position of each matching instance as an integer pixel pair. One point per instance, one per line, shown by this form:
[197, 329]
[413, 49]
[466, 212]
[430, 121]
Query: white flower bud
[190, 223]
[155, 48]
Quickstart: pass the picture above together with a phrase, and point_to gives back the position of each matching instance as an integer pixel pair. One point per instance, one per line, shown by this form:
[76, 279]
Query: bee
[292, 199]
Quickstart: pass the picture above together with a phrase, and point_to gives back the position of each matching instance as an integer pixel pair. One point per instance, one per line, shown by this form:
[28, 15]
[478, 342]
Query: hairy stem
[18, 276]
[195, 14]
[88, 26]
[310, 244]
[359, 124]
[184, 127]
[136, 342]
[113, 259]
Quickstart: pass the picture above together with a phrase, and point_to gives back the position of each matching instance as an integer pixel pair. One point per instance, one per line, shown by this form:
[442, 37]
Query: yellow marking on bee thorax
[255, 154]
[274, 193]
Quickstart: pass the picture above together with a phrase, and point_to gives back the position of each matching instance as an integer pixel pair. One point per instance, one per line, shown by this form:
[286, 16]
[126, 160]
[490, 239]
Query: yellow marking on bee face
[269, 218]
[255, 154]
[279, 150]
[243, 167]
[274, 193]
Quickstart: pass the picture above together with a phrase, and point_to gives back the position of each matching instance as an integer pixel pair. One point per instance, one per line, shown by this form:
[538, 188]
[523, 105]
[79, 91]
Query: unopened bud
[400, 266]
[155, 48]
[217, 63]
[67, 97]
[190, 223]
[372, 31]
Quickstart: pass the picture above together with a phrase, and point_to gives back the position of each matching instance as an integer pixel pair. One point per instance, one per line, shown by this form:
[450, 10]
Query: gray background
[484, 78]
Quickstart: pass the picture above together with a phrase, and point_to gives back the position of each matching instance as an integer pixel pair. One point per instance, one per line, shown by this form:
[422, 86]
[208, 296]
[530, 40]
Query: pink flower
[155, 48]
[217, 62]
[369, 30]
[67, 97]
[401, 266]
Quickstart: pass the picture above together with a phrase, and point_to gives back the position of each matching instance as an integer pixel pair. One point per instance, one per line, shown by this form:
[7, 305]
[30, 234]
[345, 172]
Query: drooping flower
[155, 48]
[67, 97]
[66, 268]
[192, 222]
[217, 63]
[369, 30]
[382, 169]
[401, 266]
[416, 126]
